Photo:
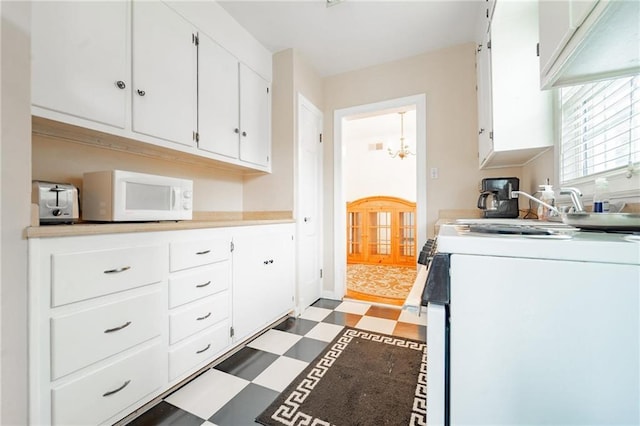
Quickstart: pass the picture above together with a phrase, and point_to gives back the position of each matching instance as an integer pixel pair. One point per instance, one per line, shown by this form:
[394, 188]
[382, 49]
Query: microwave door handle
[174, 198]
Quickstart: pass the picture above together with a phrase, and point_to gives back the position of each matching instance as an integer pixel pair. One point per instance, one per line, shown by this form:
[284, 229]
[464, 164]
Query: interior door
[309, 206]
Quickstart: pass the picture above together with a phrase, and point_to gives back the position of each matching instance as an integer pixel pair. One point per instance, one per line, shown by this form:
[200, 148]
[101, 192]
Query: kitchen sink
[604, 221]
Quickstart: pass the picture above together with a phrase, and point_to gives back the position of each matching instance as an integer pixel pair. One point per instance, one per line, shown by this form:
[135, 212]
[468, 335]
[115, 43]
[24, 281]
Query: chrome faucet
[515, 194]
[575, 198]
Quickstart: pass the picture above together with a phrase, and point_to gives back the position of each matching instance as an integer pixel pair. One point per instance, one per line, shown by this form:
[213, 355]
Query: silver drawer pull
[204, 317]
[204, 350]
[111, 330]
[124, 385]
[203, 285]
[117, 270]
[203, 252]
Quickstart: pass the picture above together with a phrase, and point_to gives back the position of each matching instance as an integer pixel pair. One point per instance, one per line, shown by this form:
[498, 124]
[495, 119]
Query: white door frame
[339, 199]
[305, 103]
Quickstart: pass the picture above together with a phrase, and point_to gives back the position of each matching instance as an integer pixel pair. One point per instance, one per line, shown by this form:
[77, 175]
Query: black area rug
[362, 378]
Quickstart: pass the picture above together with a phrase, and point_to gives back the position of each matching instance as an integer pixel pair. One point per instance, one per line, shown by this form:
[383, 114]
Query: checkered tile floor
[235, 391]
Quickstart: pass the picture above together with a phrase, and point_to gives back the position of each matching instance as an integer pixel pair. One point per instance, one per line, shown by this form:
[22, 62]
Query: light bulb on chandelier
[404, 150]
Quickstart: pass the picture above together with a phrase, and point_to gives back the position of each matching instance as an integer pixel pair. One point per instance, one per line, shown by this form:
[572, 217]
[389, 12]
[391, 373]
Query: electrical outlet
[434, 173]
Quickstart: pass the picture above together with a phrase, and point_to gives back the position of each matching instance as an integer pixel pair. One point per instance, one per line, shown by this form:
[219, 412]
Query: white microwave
[122, 196]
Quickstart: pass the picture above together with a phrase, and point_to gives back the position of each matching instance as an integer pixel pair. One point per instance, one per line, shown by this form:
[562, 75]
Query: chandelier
[404, 149]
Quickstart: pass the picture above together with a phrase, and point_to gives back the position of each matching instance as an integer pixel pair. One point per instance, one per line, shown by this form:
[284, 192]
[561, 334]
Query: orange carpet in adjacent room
[390, 284]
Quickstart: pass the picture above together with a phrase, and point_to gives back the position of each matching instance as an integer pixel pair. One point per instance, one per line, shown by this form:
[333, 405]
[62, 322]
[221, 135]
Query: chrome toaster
[57, 202]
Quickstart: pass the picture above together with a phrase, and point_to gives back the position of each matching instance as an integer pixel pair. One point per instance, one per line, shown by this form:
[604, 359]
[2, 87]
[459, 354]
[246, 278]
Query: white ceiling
[355, 34]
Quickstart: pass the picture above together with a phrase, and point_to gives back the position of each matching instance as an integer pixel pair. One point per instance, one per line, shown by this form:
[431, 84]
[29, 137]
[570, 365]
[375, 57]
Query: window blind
[600, 127]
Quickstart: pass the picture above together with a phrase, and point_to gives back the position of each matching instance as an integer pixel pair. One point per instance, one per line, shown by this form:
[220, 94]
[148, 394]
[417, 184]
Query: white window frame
[624, 182]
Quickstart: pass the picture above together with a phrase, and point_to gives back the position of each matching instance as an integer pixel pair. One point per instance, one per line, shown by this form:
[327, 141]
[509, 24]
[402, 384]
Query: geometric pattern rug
[392, 282]
[363, 378]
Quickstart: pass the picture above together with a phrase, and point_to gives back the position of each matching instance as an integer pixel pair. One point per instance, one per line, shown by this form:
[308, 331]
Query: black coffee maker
[495, 197]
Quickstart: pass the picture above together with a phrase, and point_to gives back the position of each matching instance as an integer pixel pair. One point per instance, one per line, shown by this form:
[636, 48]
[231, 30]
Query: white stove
[554, 241]
[539, 323]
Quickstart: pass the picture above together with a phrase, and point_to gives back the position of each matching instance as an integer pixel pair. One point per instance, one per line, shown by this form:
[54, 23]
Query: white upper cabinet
[129, 69]
[485, 119]
[517, 113]
[80, 60]
[164, 74]
[555, 30]
[586, 40]
[255, 108]
[218, 99]
[234, 107]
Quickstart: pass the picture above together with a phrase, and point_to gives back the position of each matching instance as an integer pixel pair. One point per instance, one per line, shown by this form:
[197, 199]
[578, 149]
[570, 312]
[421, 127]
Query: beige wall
[537, 171]
[276, 191]
[62, 161]
[15, 190]
[448, 79]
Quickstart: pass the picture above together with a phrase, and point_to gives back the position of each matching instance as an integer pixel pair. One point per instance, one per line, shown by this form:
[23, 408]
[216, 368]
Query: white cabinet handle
[124, 385]
[203, 285]
[111, 330]
[203, 252]
[117, 270]
[204, 317]
[205, 349]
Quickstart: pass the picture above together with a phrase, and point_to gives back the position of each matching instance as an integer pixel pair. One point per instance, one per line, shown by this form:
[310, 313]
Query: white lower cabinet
[87, 336]
[103, 343]
[97, 326]
[96, 396]
[81, 275]
[198, 350]
[197, 316]
[263, 277]
[199, 299]
[197, 283]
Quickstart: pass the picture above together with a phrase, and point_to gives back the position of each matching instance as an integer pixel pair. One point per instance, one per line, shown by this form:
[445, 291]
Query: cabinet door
[263, 271]
[405, 248]
[378, 237]
[485, 117]
[164, 74]
[555, 30]
[255, 109]
[218, 99]
[79, 53]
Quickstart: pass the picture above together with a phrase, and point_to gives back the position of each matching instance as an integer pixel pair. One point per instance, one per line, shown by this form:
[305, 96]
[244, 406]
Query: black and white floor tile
[237, 390]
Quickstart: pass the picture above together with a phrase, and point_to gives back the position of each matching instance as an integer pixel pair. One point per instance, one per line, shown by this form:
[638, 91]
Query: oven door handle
[437, 288]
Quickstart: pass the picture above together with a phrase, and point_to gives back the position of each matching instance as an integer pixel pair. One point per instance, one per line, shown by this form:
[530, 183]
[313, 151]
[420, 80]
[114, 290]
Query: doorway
[386, 227]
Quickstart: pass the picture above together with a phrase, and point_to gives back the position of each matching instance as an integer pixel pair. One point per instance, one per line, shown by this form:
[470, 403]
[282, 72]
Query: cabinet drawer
[96, 397]
[197, 316]
[201, 282]
[188, 254]
[79, 276]
[194, 352]
[84, 337]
